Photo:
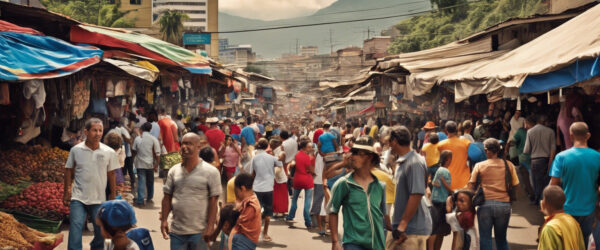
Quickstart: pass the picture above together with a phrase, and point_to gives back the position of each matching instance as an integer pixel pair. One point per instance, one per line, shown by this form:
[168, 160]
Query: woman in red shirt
[303, 180]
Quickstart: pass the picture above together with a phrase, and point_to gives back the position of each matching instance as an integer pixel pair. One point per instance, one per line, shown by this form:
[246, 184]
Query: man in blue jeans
[576, 170]
[89, 168]
[146, 150]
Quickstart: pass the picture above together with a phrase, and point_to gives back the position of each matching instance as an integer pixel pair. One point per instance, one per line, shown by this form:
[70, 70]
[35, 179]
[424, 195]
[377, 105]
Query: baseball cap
[117, 213]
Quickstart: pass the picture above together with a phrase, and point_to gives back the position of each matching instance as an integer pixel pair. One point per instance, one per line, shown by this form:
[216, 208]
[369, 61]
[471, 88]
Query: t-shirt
[432, 154]
[439, 194]
[263, 165]
[155, 131]
[215, 136]
[191, 192]
[91, 168]
[540, 141]
[410, 178]
[319, 167]
[317, 134]
[326, 140]
[249, 221]
[290, 147]
[515, 124]
[167, 128]
[144, 146]
[493, 178]
[390, 186]
[519, 139]
[561, 232]
[302, 179]
[578, 170]
[248, 135]
[459, 170]
[234, 129]
[356, 133]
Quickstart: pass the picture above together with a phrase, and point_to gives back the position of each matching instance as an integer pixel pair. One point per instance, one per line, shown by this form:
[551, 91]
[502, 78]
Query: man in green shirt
[524, 161]
[362, 198]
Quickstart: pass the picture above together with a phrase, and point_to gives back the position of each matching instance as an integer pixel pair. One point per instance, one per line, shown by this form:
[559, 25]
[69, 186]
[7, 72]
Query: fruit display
[42, 199]
[7, 190]
[15, 235]
[169, 160]
[37, 163]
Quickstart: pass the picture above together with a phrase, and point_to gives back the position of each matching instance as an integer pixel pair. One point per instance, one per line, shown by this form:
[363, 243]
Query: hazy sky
[272, 9]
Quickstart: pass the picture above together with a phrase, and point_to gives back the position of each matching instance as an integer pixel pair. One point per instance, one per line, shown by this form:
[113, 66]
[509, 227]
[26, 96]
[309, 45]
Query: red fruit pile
[43, 196]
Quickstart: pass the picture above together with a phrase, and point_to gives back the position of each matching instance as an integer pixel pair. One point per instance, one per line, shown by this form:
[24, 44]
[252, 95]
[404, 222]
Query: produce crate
[37, 223]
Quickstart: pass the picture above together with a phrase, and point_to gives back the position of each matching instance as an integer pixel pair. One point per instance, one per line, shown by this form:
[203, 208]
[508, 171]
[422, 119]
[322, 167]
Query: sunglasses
[357, 152]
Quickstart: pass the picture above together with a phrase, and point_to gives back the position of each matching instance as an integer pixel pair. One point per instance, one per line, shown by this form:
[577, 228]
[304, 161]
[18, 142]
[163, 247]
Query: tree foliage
[99, 12]
[254, 69]
[171, 25]
[453, 23]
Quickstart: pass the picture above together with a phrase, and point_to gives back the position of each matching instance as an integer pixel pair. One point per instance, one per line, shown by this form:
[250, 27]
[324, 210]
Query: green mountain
[272, 43]
[451, 24]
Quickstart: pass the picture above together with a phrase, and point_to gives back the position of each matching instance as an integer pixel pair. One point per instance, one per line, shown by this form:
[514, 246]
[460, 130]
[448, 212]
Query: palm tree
[171, 25]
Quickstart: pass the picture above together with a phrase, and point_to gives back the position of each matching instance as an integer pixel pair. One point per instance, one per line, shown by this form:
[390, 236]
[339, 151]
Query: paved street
[522, 231]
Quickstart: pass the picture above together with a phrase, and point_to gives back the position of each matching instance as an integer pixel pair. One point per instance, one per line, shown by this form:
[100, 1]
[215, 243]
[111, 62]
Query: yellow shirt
[432, 154]
[390, 187]
[230, 191]
[459, 170]
[561, 233]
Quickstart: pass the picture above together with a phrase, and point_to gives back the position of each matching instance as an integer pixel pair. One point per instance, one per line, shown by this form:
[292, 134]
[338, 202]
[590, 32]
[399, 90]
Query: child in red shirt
[246, 231]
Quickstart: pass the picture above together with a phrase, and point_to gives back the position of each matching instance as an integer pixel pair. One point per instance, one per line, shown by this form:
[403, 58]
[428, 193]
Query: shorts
[438, 217]
[230, 170]
[266, 202]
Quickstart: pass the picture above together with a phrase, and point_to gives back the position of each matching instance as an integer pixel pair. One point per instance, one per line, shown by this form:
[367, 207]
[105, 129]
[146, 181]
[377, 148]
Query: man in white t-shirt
[89, 168]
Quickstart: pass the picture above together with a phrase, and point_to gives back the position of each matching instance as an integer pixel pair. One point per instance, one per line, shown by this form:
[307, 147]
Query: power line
[338, 22]
[380, 8]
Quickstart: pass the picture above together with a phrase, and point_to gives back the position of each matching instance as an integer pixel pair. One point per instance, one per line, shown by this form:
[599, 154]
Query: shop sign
[196, 38]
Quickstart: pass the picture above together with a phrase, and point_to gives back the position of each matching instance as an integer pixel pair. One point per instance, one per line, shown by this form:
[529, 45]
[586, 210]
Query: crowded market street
[522, 226]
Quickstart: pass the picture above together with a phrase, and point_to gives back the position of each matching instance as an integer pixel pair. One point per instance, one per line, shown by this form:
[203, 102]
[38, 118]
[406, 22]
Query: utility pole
[331, 41]
[297, 46]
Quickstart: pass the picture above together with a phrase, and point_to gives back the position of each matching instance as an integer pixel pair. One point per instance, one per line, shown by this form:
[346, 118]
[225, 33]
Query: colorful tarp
[28, 54]
[143, 45]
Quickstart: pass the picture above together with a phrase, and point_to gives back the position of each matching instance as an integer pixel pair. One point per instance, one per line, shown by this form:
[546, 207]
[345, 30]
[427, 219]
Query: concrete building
[309, 51]
[239, 55]
[197, 11]
[376, 47]
[139, 10]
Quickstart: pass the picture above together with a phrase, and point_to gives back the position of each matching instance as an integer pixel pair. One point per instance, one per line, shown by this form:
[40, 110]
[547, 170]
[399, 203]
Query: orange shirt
[459, 170]
[249, 221]
[167, 130]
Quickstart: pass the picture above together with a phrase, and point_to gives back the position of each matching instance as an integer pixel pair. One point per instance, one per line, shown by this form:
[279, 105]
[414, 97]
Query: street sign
[196, 38]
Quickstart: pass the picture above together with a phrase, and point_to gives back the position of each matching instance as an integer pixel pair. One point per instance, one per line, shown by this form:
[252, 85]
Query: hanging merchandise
[115, 108]
[149, 95]
[98, 106]
[4, 94]
[81, 98]
[35, 89]
[110, 88]
[174, 85]
[120, 88]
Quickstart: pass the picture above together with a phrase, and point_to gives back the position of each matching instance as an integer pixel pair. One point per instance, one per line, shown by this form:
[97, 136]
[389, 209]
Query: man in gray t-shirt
[191, 192]
[411, 221]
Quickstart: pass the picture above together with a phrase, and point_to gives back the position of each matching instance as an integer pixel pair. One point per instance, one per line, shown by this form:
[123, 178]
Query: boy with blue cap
[115, 218]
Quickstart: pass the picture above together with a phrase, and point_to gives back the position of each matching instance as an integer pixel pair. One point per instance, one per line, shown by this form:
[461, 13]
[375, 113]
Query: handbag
[479, 197]
[508, 181]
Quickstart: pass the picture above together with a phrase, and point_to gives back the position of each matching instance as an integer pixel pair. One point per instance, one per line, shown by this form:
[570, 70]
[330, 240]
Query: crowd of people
[397, 188]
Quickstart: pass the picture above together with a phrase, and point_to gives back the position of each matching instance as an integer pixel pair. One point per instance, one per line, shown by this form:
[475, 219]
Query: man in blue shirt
[327, 141]
[576, 170]
[248, 137]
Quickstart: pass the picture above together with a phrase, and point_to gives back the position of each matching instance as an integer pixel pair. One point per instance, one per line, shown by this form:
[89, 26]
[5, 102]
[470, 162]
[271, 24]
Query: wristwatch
[396, 234]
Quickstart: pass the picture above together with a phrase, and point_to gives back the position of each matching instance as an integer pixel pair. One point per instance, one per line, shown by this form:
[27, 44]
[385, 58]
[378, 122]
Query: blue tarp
[578, 71]
[34, 56]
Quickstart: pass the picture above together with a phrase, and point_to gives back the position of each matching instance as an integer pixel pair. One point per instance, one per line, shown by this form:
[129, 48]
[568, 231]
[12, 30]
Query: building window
[194, 11]
[197, 20]
[183, 3]
[136, 2]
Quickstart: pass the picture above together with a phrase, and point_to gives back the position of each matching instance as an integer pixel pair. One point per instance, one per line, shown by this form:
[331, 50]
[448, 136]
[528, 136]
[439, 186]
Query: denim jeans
[586, 223]
[241, 242]
[78, 214]
[145, 184]
[308, 193]
[539, 174]
[187, 242]
[493, 214]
